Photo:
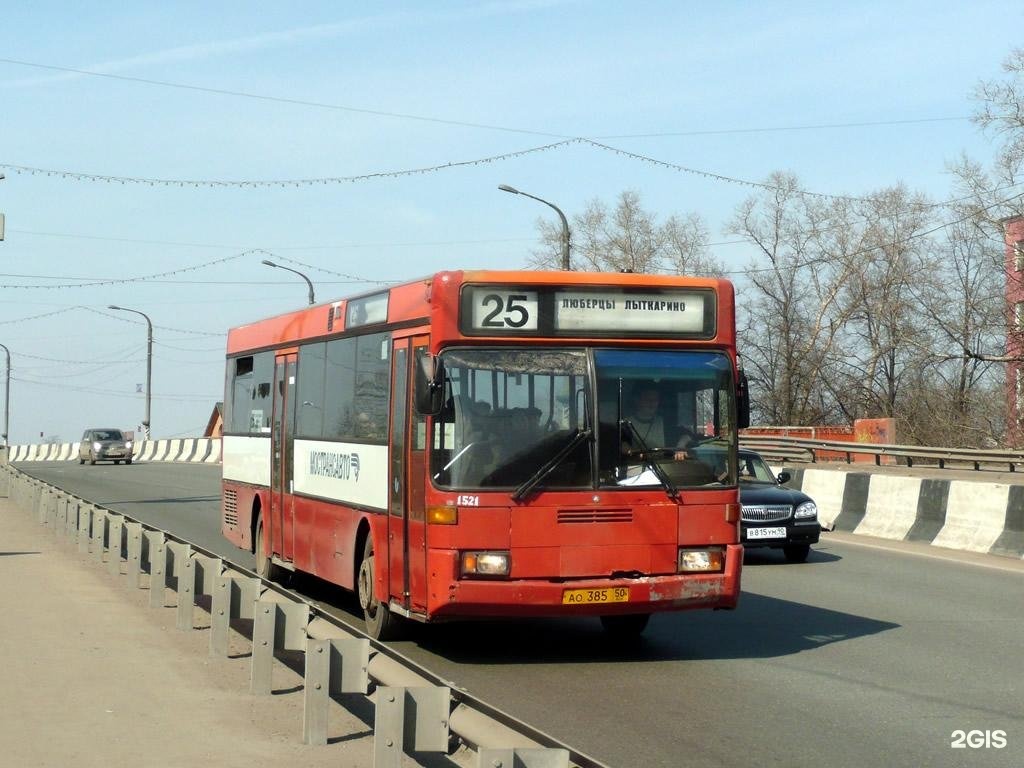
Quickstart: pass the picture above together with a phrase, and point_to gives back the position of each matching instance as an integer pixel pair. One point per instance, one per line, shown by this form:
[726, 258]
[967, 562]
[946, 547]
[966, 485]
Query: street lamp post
[149, 365]
[7, 395]
[289, 269]
[565, 224]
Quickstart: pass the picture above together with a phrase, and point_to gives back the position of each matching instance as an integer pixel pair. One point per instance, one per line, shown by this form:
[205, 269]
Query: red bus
[494, 443]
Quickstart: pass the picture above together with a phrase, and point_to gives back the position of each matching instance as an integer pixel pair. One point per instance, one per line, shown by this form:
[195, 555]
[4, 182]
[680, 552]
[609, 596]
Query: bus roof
[411, 303]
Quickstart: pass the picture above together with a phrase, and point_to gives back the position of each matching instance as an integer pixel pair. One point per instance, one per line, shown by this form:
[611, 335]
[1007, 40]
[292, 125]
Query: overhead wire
[170, 329]
[262, 183]
[470, 124]
[160, 327]
[564, 139]
[118, 393]
[279, 99]
[91, 282]
[636, 156]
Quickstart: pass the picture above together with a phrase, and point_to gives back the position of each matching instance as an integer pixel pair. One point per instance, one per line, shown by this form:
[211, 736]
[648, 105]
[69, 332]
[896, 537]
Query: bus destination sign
[541, 311]
[663, 312]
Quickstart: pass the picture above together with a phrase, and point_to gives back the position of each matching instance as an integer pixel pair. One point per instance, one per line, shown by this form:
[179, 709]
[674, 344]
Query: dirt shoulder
[93, 677]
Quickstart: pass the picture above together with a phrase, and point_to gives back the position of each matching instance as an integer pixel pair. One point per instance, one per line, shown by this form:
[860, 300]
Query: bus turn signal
[442, 515]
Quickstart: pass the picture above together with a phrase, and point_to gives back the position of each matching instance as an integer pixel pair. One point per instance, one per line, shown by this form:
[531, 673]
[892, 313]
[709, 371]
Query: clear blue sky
[491, 78]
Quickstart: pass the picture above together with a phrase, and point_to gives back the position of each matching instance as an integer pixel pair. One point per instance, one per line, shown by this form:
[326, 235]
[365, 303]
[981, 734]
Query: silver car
[104, 445]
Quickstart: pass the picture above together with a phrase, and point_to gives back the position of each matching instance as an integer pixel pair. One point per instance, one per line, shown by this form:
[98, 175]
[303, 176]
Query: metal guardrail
[799, 450]
[415, 711]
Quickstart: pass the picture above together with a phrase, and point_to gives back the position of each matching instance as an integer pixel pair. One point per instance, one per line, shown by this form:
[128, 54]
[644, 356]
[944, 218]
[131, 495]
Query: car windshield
[753, 469]
[107, 434]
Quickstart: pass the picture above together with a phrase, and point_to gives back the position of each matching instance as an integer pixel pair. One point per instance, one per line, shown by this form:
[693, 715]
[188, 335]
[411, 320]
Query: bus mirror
[429, 385]
[743, 402]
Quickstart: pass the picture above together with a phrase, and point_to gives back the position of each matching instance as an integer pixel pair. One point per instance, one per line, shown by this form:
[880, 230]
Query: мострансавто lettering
[340, 466]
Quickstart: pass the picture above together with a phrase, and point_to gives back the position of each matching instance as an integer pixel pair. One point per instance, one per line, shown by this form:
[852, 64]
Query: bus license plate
[766, 533]
[587, 596]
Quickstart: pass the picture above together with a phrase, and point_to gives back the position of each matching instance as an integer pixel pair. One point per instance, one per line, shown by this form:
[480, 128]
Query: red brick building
[1013, 234]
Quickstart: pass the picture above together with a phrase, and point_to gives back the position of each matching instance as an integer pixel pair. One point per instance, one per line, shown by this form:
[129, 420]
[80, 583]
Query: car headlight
[127, 443]
[97, 446]
[487, 564]
[806, 511]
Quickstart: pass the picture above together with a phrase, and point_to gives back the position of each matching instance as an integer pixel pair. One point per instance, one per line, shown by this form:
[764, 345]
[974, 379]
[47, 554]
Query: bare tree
[629, 238]
[885, 257]
[1001, 108]
[792, 314]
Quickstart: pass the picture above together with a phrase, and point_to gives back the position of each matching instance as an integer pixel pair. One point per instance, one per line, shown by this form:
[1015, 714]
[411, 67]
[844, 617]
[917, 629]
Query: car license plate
[587, 596]
[766, 533]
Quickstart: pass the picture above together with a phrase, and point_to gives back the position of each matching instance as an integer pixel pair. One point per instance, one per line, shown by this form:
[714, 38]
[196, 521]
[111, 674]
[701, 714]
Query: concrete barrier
[966, 514]
[195, 450]
[213, 455]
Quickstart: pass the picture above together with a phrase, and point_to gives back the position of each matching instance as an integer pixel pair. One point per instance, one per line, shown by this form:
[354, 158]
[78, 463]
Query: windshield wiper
[533, 480]
[656, 468]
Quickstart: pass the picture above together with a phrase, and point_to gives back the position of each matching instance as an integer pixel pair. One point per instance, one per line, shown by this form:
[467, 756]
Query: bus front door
[282, 523]
[407, 551]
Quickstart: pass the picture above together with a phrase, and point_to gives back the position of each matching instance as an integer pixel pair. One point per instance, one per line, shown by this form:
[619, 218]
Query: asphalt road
[863, 656]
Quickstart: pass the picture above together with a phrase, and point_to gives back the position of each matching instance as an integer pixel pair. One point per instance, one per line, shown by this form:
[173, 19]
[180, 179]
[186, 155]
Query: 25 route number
[497, 310]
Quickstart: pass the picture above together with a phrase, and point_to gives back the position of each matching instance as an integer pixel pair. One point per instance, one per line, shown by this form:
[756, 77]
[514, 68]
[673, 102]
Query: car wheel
[625, 627]
[265, 567]
[381, 624]
[117, 461]
[127, 461]
[81, 460]
[797, 553]
[92, 460]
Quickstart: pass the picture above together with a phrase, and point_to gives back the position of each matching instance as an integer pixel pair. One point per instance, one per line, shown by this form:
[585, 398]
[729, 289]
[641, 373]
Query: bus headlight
[701, 560]
[806, 511]
[488, 564]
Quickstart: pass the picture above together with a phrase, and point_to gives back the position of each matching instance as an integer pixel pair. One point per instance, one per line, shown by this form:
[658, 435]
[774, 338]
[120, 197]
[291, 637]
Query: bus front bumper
[455, 597]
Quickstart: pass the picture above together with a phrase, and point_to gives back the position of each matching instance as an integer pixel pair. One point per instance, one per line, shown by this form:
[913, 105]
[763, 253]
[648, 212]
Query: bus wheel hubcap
[365, 584]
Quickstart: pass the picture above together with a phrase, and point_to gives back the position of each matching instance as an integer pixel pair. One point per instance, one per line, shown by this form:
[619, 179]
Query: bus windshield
[663, 418]
[508, 412]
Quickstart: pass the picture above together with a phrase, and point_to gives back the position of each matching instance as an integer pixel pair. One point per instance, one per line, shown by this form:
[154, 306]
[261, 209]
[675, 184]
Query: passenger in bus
[367, 427]
[524, 424]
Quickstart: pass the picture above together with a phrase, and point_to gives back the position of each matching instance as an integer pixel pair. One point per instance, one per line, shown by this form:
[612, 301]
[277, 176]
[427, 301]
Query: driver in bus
[646, 418]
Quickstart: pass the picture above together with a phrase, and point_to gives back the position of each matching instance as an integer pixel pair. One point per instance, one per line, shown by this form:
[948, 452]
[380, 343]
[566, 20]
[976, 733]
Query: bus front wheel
[381, 624]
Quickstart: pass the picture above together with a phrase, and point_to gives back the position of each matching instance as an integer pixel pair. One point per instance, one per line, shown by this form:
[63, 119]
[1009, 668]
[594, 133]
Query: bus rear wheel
[381, 624]
[265, 567]
[625, 626]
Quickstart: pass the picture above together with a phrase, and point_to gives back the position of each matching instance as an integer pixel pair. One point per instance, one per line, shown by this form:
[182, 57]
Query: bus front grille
[595, 516]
